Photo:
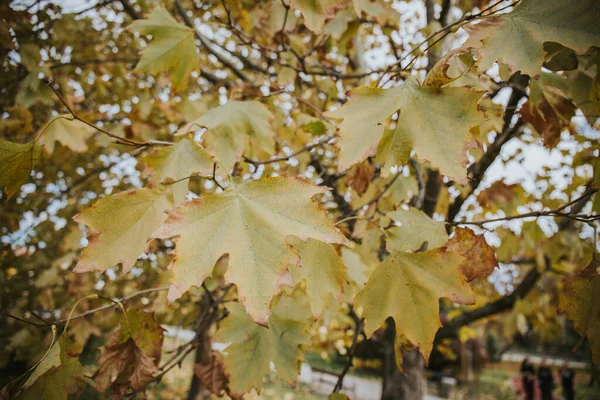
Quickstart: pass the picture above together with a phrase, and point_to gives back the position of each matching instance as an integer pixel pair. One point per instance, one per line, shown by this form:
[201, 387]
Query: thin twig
[320, 143]
[380, 195]
[76, 117]
[536, 214]
[358, 324]
[95, 310]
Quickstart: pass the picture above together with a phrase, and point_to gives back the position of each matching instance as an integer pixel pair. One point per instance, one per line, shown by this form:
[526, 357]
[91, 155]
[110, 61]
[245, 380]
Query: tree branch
[188, 21]
[507, 302]
[548, 213]
[358, 325]
[476, 171]
[113, 304]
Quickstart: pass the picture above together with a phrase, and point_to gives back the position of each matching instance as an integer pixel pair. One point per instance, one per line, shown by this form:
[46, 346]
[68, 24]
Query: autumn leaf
[415, 229]
[250, 221]
[16, 163]
[315, 12]
[131, 358]
[581, 303]
[358, 270]
[58, 375]
[234, 128]
[179, 161]
[407, 287]
[548, 110]
[172, 48]
[532, 23]
[433, 121]
[479, 257]
[449, 68]
[211, 373]
[254, 347]
[359, 177]
[582, 87]
[321, 268]
[67, 131]
[119, 227]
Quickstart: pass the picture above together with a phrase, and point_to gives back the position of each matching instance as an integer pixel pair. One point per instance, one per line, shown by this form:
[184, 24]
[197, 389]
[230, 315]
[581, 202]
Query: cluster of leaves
[266, 158]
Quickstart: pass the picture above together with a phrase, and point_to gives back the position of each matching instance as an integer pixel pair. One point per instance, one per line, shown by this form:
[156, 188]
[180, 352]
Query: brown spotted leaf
[211, 373]
[548, 110]
[131, 358]
[359, 177]
[479, 257]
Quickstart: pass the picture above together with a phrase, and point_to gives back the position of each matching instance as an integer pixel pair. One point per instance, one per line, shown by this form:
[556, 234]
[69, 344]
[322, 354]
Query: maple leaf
[315, 12]
[172, 48]
[211, 373]
[33, 89]
[254, 347]
[59, 374]
[358, 270]
[119, 227]
[532, 23]
[181, 160]
[416, 228]
[548, 110]
[67, 131]
[479, 256]
[433, 121]
[250, 221]
[131, 358]
[234, 128]
[407, 287]
[582, 87]
[449, 68]
[16, 163]
[321, 268]
[359, 177]
[581, 303]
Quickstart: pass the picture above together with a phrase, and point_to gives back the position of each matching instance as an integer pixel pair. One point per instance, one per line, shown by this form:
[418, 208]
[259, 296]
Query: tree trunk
[196, 390]
[400, 385]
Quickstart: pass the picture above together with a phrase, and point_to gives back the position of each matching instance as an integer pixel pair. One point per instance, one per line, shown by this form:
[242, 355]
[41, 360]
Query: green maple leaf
[67, 131]
[581, 303]
[321, 268]
[433, 121]
[415, 229]
[254, 347]
[181, 160]
[517, 38]
[173, 47]
[119, 227]
[59, 374]
[234, 128]
[315, 12]
[16, 163]
[407, 287]
[249, 221]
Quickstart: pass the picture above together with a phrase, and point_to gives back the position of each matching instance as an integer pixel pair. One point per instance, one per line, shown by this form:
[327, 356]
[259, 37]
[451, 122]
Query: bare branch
[358, 326]
[536, 214]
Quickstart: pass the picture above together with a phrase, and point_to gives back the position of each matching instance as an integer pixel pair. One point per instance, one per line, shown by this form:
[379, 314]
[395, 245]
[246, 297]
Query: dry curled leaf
[479, 256]
[211, 373]
[359, 177]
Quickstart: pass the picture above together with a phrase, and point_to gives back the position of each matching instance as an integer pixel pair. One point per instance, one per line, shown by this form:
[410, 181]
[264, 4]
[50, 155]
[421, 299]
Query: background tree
[281, 165]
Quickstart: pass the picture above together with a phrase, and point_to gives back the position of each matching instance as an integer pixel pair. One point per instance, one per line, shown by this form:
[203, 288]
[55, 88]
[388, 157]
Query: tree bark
[399, 385]
[196, 390]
